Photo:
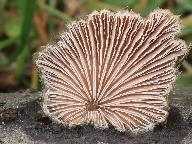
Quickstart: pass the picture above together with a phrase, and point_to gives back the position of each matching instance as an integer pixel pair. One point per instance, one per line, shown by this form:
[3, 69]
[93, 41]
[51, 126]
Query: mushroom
[113, 68]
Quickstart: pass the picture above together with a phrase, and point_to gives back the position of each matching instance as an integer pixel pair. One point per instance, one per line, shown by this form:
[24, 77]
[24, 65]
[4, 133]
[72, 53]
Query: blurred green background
[26, 25]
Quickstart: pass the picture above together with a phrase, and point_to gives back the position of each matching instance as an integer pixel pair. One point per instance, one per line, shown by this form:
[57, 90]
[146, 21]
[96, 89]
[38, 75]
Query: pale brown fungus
[113, 68]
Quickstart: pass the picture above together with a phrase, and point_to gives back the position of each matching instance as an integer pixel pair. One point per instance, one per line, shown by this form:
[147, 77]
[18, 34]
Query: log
[22, 121]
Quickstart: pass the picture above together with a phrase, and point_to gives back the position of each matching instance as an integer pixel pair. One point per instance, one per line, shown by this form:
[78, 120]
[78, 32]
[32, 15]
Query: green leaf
[53, 11]
[7, 42]
[187, 30]
[99, 5]
[21, 63]
[27, 7]
[184, 81]
[51, 24]
[187, 4]
[2, 6]
[179, 10]
[151, 5]
[187, 25]
[13, 27]
[3, 59]
[22, 52]
[122, 3]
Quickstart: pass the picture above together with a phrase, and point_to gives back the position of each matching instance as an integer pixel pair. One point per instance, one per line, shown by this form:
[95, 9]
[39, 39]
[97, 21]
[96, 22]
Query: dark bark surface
[22, 121]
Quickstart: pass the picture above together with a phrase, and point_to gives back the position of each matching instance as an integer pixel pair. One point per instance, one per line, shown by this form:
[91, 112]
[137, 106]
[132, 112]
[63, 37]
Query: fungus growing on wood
[115, 68]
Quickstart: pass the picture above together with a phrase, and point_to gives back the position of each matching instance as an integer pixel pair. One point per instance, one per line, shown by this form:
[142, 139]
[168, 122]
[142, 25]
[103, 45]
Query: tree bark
[22, 121]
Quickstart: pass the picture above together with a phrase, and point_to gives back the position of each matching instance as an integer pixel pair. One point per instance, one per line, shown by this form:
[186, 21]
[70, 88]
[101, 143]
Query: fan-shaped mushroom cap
[113, 68]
